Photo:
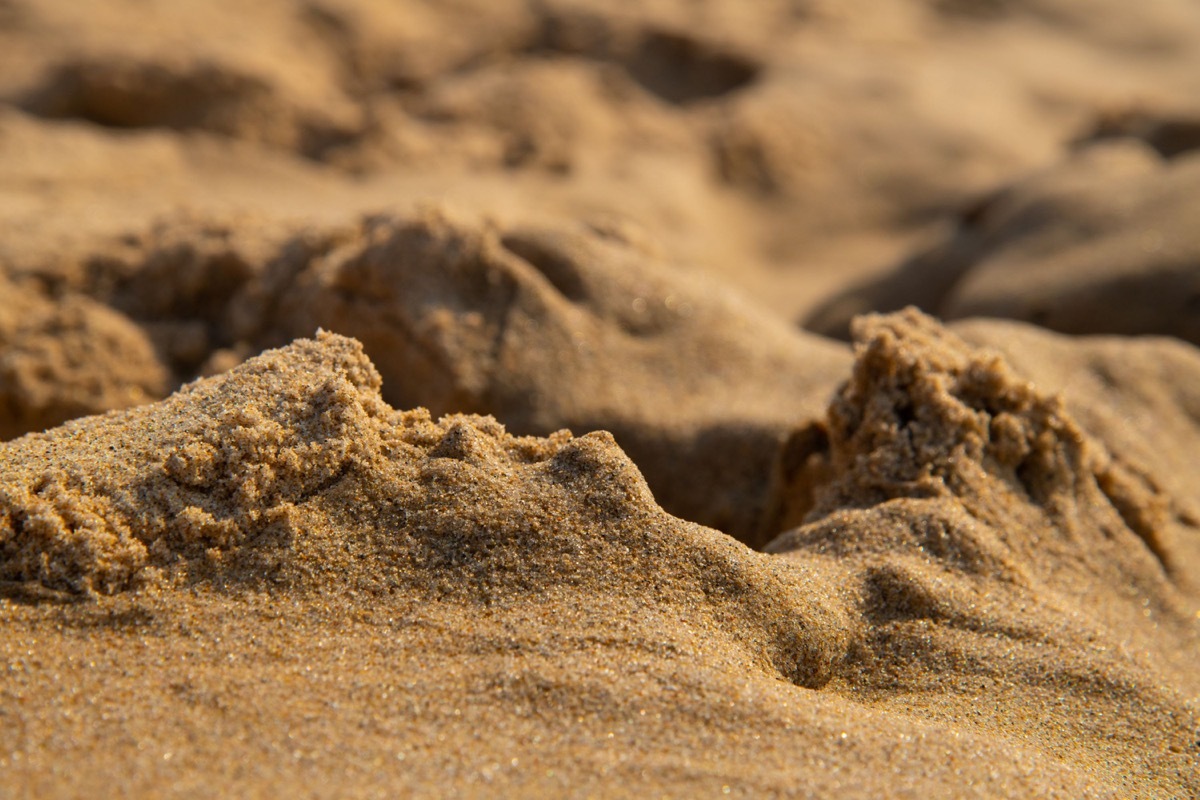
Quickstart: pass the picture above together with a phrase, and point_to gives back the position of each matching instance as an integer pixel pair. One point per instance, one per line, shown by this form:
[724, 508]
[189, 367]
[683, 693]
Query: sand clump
[1137, 395]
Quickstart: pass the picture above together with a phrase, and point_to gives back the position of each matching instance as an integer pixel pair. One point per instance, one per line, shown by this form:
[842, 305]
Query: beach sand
[574, 399]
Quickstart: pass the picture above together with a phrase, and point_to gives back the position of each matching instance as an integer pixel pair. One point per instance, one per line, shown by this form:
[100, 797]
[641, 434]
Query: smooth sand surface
[531, 399]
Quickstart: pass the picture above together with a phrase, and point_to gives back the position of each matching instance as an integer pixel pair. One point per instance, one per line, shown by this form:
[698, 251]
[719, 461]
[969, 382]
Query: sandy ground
[528, 398]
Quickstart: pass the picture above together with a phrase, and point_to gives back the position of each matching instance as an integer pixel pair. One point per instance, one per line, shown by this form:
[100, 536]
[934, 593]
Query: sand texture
[1012, 559]
[567, 398]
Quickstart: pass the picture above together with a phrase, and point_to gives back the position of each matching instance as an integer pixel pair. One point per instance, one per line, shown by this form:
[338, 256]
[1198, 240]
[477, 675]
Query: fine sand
[576, 398]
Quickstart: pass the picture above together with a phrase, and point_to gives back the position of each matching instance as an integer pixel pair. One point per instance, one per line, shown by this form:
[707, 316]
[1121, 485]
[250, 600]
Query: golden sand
[274, 579]
[301, 301]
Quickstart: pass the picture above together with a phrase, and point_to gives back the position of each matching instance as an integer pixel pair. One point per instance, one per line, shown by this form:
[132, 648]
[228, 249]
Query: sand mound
[573, 328]
[1102, 243]
[291, 470]
[974, 515]
[66, 357]
[926, 416]
[788, 141]
[557, 115]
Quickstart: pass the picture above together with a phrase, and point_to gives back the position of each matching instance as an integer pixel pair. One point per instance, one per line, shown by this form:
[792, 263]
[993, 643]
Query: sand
[291, 572]
[575, 399]
[1102, 242]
